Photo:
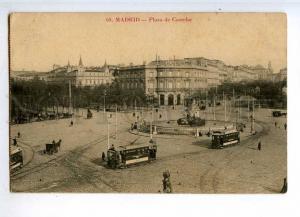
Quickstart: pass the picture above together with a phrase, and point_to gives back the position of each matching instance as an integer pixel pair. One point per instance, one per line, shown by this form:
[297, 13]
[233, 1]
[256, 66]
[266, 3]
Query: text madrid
[152, 19]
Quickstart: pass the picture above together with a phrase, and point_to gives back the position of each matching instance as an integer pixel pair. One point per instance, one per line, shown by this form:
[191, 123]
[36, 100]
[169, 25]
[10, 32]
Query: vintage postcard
[148, 102]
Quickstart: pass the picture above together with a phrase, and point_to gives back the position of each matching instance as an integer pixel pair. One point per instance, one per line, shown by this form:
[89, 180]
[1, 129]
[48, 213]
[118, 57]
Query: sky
[39, 40]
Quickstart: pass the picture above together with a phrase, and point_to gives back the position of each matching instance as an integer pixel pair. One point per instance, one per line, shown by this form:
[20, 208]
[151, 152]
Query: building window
[150, 84]
[187, 84]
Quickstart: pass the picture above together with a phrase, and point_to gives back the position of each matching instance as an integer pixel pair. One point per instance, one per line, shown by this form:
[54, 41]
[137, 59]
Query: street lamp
[104, 101]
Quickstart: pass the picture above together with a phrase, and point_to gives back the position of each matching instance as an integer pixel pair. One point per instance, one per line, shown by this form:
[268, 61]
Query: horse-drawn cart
[52, 147]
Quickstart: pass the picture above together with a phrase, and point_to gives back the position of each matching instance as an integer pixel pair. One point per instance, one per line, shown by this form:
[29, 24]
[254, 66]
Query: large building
[282, 75]
[28, 75]
[81, 76]
[171, 81]
[168, 80]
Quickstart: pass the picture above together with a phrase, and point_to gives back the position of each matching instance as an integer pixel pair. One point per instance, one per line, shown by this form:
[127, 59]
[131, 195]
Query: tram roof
[224, 132]
[14, 149]
[133, 146]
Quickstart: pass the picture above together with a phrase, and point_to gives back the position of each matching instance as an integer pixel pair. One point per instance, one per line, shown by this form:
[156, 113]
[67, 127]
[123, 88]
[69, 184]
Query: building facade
[169, 81]
[282, 75]
[81, 76]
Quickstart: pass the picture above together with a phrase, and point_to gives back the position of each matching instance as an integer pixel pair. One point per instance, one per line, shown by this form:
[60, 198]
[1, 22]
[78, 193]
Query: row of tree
[272, 93]
[37, 95]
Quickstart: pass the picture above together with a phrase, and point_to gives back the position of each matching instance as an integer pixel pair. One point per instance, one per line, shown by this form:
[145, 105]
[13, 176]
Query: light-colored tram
[221, 139]
[128, 155]
[15, 158]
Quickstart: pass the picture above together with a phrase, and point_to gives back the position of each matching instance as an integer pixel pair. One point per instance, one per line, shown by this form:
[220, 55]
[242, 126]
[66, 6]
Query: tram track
[209, 179]
[85, 173]
[27, 171]
[82, 172]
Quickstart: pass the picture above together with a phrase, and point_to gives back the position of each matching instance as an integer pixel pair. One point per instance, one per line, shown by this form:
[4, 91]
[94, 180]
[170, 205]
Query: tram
[15, 158]
[221, 139]
[128, 155]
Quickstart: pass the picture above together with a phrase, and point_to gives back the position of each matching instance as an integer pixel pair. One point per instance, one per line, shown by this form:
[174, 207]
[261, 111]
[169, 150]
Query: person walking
[15, 142]
[259, 146]
[103, 156]
[284, 187]
[285, 126]
[167, 186]
[275, 124]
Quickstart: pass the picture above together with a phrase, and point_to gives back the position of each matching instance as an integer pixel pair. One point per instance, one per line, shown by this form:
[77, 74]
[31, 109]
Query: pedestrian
[259, 146]
[15, 142]
[71, 124]
[284, 187]
[19, 134]
[103, 156]
[285, 126]
[275, 124]
[167, 186]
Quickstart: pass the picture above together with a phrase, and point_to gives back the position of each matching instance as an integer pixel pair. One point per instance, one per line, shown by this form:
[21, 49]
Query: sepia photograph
[148, 103]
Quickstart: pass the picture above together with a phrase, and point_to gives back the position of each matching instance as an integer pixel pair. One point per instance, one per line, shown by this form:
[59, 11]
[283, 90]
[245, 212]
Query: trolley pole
[151, 132]
[248, 107]
[233, 99]
[205, 103]
[70, 97]
[224, 107]
[107, 132]
[104, 110]
[240, 110]
[135, 110]
[116, 121]
[253, 115]
[214, 108]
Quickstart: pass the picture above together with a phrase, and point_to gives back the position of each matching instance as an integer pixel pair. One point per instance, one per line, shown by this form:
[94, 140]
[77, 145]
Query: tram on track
[15, 158]
[221, 139]
[128, 155]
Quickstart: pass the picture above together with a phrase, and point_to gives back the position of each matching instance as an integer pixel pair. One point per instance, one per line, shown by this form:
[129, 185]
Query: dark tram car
[125, 156]
[15, 158]
[221, 139]
[278, 113]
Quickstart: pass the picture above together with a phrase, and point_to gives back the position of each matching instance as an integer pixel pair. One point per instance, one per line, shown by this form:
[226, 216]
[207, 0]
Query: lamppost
[116, 120]
[108, 133]
[104, 101]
